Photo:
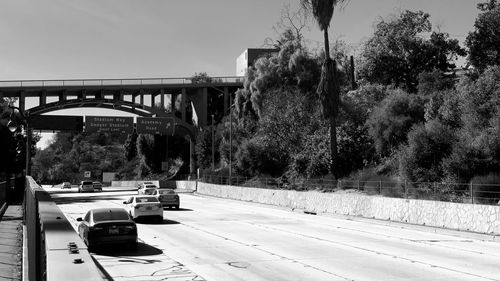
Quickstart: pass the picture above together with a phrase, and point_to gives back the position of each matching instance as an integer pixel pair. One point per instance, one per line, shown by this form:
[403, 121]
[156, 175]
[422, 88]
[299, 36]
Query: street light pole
[213, 146]
[230, 135]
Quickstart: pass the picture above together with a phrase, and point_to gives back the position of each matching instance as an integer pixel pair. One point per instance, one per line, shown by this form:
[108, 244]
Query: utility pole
[230, 135]
[213, 146]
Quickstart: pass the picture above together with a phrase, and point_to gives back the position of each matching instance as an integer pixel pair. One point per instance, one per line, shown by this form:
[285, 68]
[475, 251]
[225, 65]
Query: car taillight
[159, 205]
[129, 227]
[97, 228]
[136, 207]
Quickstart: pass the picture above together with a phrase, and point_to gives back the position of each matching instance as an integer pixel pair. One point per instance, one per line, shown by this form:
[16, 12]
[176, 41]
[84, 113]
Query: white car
[143, 187]
[144, 206]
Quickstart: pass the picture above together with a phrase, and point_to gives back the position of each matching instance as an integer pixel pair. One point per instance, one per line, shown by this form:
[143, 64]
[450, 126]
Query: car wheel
[177, 207]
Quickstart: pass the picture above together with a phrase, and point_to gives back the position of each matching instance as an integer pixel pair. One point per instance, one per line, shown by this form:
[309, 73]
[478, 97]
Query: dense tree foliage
[70, 154]
[131, 146]
[484, 41]
[398, 52]
[393, 118]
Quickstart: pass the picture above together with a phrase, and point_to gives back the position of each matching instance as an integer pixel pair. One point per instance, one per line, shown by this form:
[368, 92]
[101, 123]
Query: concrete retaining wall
[188, 185]
[130, 183]
[469, 217]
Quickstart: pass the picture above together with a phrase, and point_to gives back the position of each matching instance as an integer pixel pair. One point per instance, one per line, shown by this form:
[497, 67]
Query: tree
[328, 88]
[398, 51]
[477, 151]
[390, 122]
[149, 150]
[131, 146]
[204, 144]
[484, 42]
[289, 28]
[201, 77]
[421, 159]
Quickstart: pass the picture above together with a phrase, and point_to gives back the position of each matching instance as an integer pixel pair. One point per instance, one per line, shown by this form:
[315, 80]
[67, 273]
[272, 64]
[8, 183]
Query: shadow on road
[120, 250]
[153, 221]
[83, 198]
[177, 210]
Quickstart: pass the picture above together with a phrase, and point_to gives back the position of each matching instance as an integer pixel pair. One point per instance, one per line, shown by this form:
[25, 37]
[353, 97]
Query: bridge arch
[182, 128]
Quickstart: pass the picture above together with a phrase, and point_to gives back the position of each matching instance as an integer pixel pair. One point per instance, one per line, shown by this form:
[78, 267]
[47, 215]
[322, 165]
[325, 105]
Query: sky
[85, 39]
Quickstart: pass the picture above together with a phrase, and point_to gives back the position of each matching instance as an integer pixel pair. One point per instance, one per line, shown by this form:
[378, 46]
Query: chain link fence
[474, 193]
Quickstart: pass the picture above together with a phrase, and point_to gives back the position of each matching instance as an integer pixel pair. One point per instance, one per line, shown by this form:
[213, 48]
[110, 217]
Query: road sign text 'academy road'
[155, 125]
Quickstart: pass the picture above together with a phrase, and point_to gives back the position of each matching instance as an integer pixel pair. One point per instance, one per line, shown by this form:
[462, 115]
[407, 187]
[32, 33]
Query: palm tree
[328, 88]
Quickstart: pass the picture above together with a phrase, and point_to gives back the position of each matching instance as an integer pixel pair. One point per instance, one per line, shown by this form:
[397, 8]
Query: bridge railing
[118, 82]
[55, 251]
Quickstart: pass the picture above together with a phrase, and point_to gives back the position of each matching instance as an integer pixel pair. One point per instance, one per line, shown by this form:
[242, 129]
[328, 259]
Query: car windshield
[86, 182]
[110, 215]
[146, 199]
[166, 192]
[150, 191]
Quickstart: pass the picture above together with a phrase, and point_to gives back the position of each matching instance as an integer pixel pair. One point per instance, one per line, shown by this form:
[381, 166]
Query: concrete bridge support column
[183, 104]
[43, 98]
[118, 96]
[162, 98]
[226, 100]
[191, 156]
[62, 96]
[22, 100]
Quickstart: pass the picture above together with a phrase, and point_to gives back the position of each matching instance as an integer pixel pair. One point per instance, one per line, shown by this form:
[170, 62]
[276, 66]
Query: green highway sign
[109, 124]
[155, 125]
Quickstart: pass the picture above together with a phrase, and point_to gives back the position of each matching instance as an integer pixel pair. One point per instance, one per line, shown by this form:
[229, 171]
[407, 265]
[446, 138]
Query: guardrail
[487, 194]
[55, 251]
[119, 82]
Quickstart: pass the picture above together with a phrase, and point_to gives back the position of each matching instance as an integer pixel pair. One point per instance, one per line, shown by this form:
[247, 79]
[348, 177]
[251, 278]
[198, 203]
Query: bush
[486, 189]
[255, 157]
[420, 160]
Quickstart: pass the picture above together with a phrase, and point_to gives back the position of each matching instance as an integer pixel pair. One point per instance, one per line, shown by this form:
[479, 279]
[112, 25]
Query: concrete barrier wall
[130, 183]
[469, 217]
[187, 185]
[49, 257]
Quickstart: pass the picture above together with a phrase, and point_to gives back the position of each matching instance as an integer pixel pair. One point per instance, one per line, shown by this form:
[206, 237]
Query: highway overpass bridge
[182, 98]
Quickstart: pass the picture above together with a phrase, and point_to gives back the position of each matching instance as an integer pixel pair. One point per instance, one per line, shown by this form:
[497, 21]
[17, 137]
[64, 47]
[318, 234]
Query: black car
[106, 226]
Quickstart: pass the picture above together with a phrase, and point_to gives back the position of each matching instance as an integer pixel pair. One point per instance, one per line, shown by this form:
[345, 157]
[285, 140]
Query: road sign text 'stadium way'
[155, 125]
[109, 124]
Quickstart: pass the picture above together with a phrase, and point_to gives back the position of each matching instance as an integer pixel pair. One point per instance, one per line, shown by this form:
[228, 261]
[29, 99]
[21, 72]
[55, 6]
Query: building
[249, 56]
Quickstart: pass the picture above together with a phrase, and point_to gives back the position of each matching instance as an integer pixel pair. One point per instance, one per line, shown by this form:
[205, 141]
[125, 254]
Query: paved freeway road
[218, 239]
